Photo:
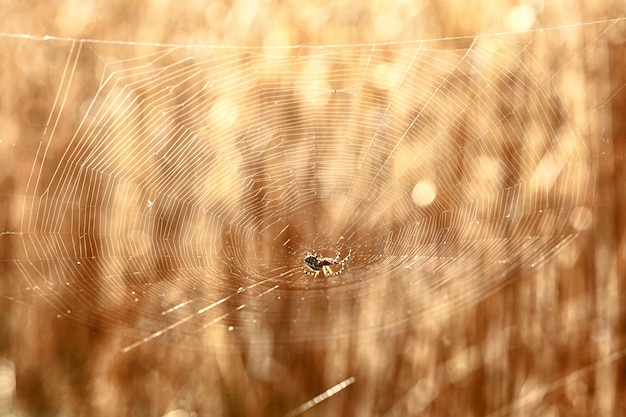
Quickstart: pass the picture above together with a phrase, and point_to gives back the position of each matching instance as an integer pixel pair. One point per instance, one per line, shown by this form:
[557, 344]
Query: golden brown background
[551, 342]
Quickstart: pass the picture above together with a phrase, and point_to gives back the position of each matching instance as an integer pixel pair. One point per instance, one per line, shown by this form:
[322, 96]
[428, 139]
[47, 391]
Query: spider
[314, 263]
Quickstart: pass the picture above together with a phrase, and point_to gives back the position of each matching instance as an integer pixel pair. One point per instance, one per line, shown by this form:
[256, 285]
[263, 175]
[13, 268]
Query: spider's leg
[343, 263]
[327, 271]
[307, 270]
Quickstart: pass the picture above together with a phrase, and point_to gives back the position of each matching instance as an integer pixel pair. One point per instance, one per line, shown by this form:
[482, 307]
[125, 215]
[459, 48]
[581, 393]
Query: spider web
[173, 191]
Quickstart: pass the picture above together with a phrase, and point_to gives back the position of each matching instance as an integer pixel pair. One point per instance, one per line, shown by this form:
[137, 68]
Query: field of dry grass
[545, 336]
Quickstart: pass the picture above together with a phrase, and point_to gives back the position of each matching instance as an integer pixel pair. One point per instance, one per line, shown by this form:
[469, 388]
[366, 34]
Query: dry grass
[544, 341]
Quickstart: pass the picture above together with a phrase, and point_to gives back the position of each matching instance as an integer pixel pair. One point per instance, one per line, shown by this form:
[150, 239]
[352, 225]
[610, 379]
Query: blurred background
[539, 341]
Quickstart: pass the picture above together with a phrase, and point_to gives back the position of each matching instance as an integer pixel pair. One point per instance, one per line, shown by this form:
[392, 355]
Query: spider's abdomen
[313, 262]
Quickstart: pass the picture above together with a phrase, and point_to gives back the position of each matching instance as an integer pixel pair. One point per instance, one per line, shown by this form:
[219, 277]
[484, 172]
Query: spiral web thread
[174, 191]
